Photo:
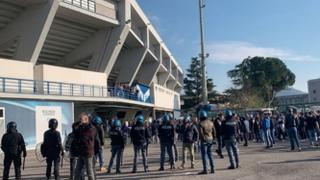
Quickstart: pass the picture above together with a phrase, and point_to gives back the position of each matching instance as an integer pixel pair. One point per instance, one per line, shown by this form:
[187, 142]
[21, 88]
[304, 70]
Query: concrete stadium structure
[84, 52]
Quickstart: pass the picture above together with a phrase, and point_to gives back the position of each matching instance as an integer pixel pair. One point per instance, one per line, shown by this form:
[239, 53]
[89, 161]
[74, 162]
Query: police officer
[217, 124]
[139, 135]
[98, 123]
[53, 148]
[190, 135]
[126, 132]
[207, 136]
[12, 144]
[117, 144]
[229, 129]
[166, 136]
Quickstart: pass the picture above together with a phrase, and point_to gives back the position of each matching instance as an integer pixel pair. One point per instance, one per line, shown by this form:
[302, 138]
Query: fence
[24, 86]
[89, 5]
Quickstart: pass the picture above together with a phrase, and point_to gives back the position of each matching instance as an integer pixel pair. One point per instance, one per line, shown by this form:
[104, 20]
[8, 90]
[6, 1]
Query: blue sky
[236, 29]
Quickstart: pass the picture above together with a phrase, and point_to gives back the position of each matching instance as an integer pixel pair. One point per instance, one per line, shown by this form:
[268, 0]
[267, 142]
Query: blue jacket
[266, 123]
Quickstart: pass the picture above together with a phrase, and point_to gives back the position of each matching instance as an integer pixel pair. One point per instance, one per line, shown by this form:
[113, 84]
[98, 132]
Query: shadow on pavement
[294, 161]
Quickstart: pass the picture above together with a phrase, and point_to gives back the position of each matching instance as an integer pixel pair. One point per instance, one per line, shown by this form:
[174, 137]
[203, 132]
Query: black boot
[203, 172]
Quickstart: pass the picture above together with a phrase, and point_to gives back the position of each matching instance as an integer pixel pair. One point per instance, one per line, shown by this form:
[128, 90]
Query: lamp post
[203, 56]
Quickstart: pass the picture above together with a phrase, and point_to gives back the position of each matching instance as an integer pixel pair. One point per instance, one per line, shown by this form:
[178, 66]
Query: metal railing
[24, 86]
[89, 5]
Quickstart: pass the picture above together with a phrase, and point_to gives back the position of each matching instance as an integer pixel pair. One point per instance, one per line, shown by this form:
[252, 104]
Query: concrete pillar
[147, 72]
[96, 44]
[146, 114]
[162, 77]
[171, 84]
[129, 63]
[154, 116]
[31, 27]
[130, 115]
[117, 38]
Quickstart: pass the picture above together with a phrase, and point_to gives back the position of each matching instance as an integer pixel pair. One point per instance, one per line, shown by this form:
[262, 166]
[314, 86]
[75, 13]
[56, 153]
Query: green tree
[193, 86]
[261, 77]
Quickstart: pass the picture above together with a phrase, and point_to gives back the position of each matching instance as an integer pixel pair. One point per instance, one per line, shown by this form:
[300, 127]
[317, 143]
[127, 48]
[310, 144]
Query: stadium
[62, 57]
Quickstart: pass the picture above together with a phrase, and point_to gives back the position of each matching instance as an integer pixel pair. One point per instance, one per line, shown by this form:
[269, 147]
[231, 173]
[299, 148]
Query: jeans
[87, 163]
[116, 150]
[206, 153]
[176, 154]
[272, 133]
[245, 138]
[262, 136]
[137, 150]
[121, 157]
[281, 133]
[155, 139]
[56, 163]
[258, 136]
[220, 145]
[100, 157]
[293, 136]
[313, 137]
[166, 147]
[267, 137]
[187, 147]
[147, 149]
[8, 159]
[233, 151]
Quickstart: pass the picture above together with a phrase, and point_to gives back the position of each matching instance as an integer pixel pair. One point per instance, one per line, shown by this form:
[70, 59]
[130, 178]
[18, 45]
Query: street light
[203, 56]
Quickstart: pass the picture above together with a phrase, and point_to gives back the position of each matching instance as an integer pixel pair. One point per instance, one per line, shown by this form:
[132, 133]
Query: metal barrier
[89, 5]
[24, 86]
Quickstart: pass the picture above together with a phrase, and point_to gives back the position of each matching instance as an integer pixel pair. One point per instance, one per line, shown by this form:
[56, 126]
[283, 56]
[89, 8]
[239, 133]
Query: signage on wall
[144, 93]
[2, 114]
[43, 115]
[2, 121]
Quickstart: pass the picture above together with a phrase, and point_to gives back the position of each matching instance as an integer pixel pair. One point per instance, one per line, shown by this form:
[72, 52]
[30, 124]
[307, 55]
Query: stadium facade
[61, 57]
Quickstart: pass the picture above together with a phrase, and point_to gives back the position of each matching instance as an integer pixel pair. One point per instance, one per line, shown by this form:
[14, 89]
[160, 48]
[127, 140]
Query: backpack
[68, 141]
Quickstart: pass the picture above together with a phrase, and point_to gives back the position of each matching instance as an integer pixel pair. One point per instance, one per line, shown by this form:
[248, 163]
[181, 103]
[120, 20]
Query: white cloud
[235, 51]
[154, 19]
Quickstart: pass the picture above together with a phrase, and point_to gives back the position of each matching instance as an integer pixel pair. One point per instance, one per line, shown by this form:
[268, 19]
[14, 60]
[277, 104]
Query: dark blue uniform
[139, 135]
[53, 148]
[229, 129]
[117, 144]
[12, 144]
[166, 136]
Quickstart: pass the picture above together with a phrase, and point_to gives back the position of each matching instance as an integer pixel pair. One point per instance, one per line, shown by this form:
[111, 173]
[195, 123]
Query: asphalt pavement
[257, 163]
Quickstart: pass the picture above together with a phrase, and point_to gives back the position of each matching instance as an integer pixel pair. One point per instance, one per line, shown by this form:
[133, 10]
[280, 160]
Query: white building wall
[75, 82]
[16, 69]
[69, 75]
[165, 99]
[314, 90]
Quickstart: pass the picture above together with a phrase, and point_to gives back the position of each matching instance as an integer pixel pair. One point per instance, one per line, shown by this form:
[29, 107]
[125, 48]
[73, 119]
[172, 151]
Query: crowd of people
[85, 144]
[126, 91]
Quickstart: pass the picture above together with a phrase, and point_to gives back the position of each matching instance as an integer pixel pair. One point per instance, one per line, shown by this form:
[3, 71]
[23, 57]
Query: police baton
[24, 162]
[62, 161]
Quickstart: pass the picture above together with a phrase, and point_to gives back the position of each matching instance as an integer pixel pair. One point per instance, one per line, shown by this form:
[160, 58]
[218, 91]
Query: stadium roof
[290, 92]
